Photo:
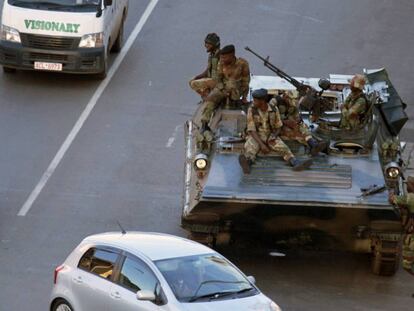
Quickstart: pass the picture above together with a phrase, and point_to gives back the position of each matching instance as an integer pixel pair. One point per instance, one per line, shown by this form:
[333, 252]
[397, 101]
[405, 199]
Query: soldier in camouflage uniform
[293, 126]
[355, 107]
[406, 205]
[263, 128]
[233, 78]
[207, 80]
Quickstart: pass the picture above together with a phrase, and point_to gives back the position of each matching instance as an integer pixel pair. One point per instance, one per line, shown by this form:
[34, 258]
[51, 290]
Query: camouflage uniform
[301, 132]
[407, 201]
[205, 85]
[264, 123]
[232, 82]
[353, 111]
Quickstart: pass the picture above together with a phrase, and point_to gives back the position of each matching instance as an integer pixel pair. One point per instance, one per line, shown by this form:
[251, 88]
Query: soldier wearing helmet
[206, 81]
[355, 107]
[406, 205]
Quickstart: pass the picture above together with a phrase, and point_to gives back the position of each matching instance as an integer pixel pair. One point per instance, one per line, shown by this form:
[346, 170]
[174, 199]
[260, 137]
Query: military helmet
[358, 81]
[213, 39]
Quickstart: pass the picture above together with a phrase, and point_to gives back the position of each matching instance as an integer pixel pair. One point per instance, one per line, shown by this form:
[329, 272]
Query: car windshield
[58, 5]
[203, 277]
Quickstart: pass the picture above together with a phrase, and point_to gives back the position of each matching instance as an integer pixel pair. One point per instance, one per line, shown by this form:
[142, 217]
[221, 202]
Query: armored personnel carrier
[341, 202]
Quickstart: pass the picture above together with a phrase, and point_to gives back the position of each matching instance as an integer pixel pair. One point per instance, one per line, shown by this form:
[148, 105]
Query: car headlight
[201, 161]
[392, 170]
[10, 34]
[274, 307]
[93, 40]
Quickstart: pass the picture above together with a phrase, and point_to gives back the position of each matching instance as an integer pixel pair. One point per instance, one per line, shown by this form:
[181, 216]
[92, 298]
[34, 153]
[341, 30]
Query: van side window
[136, 275]
[98, 261]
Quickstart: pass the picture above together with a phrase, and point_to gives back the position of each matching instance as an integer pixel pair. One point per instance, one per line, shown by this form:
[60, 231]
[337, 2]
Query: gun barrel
[299, 86]
[255, 54]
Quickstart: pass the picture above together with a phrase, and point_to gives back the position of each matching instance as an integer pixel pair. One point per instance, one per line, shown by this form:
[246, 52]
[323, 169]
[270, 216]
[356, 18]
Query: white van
[73, 36]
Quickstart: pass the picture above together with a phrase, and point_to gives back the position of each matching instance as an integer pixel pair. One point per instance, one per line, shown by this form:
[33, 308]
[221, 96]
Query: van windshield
[58, 5]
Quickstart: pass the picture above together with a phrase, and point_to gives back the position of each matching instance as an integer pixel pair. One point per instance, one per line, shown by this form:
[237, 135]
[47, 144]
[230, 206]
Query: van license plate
[48, 66]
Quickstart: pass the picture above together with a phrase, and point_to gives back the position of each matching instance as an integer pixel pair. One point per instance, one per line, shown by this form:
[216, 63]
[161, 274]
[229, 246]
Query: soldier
[293, 126]
[355, 107]
[206, 81]
[263, 128]
[406, 204]
[233, 77]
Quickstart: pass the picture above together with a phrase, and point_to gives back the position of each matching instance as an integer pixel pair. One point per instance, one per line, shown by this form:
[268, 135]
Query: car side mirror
[324, 84]
[107, 3]
[251, 279]
[146, 295]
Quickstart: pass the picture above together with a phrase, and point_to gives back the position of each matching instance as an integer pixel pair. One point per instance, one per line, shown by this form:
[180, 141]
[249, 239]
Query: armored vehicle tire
[386, 258]
[8, 69]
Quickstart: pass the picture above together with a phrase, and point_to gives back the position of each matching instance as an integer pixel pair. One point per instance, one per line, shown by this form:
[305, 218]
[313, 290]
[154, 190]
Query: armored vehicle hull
[341, 202]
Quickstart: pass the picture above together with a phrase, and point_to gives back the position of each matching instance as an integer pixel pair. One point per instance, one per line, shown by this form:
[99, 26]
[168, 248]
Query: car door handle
[78, 280]
[116, 295]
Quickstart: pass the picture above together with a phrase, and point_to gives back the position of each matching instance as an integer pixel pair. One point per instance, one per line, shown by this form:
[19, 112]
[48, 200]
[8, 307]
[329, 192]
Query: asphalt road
[126, 163]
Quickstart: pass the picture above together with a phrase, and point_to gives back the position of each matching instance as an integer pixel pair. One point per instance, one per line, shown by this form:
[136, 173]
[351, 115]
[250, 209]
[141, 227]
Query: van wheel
[62, 305]
[9, 69]
[119, 40]
[102, 75]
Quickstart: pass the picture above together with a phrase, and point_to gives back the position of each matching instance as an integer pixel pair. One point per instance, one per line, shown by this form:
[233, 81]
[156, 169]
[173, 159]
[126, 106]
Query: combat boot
[300, 165]
[316, 146]
[245, 164]
[204, 127]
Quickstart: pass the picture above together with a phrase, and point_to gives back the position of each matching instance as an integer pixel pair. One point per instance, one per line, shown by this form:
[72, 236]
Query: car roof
[156, 246]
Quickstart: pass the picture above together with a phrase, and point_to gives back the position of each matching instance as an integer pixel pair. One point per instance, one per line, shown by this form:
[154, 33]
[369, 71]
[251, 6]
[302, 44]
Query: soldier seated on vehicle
[207, 80]
[263, 129]
[233, 78]
[406, 204]
[293, 126]
[354, 110]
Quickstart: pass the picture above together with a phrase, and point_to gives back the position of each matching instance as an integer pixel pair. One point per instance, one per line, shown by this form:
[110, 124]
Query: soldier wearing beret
[406, 205]
[207, 80]
[233, 78]
[263, 129]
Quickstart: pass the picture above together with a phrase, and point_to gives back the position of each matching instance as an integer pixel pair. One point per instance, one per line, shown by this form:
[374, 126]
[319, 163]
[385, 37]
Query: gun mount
[333, 205]
[310, 99]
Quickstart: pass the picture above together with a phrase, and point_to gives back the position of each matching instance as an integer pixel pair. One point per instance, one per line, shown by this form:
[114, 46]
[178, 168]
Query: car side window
[135, 275]
[100, 262]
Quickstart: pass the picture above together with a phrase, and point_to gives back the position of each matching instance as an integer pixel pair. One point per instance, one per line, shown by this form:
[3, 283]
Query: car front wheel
[62, 305]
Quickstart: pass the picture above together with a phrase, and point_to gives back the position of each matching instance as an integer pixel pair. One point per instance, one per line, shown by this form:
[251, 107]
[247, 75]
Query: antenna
[122, 228]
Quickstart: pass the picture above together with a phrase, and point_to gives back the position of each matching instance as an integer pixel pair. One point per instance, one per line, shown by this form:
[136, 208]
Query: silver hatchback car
[151, 272]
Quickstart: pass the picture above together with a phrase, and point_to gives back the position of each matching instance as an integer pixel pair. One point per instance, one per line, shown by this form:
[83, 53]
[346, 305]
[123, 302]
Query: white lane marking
[85, 114]
[171, 140]
[313, 19]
